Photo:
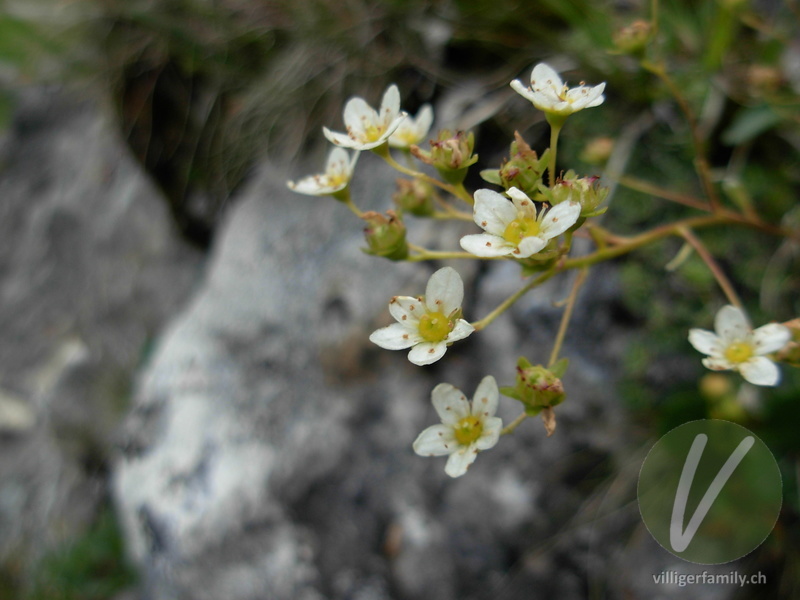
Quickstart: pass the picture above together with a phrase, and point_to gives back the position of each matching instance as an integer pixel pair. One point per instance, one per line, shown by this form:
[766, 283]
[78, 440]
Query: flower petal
[314, 185]
[486, 245]
[436, 440]
[731, 324]
[529, 245]
[460, 331]
[523, 90]
[484, 402]
[395, 337]
[559, 218]
[445, 291]
[358, 116]
[459, 462]
[595, 96]
[771, 338]
[760, 371]
[425, 353]
[424, 120]
[413, 131]
[493, 212]
[522, 203]
[390, 105]
[491, 433]
[338, 161]
[718, 363]
[544, 76]
[586, 96]
[706, 342]
[406, 310]
[341, 139]
[450, 403]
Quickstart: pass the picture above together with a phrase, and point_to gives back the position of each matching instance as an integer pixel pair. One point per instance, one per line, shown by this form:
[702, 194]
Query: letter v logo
[678, 539]
[710, 491]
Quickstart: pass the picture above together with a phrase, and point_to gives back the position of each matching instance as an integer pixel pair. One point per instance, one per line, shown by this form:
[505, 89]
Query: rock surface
[91, 269]
[269, 451]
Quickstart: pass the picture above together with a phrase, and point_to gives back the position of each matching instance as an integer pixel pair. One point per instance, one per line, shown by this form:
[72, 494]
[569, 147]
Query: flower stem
[452, 214]
[642, 240]
[751, 220]
[456, 190]
[565, 318]
[648, 188]
[344, 198]
[555, 130]
[700, 161]
[503, 306]
[425, 254]
[513, 425]
[712, 265]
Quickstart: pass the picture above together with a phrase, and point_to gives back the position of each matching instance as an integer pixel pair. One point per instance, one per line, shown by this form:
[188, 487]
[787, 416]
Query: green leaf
[749, 123]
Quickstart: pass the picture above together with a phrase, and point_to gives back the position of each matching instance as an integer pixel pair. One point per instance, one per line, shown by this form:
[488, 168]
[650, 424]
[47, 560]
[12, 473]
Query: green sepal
[491, 176]
[596, 213]
[560, 367]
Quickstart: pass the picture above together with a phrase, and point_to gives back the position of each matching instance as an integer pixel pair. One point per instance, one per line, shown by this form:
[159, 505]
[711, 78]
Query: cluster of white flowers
[366, 129]
[513, 227]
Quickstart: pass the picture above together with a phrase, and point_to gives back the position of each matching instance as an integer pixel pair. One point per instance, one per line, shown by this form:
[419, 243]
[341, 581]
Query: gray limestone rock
[268, 453]
[91, 269]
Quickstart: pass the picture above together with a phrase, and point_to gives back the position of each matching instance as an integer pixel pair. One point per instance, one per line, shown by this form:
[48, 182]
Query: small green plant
[532, 220]
[90, 568]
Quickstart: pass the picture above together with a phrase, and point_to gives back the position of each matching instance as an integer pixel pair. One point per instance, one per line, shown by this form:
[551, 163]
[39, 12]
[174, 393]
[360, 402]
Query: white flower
[465, 430]
[735, 346]
[429, 324]
[338, 172]
[366, 127]
[513, 227]
[413, 130]
[549, 94]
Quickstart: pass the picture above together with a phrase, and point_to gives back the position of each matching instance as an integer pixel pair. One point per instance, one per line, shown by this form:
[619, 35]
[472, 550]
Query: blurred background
[188, 404]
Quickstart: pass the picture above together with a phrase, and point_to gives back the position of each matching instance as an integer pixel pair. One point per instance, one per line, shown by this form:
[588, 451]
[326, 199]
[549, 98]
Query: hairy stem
[565, 318]
[713, 266]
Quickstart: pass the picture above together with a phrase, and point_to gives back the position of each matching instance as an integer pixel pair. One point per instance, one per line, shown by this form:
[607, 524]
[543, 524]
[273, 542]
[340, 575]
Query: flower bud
[633, 39]
[790, 354]
[763, 79]
[524, 169]
[385, 235]
[538, 387]
[450, 154]
[597, 151]
[584, 190]
[415, 197]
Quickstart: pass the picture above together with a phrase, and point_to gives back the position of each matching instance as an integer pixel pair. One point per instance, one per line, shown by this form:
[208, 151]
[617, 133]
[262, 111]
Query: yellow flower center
[434, 327]
[373, 133]
[520, 228]
[337, 178]
[467, 430]
[739, 352]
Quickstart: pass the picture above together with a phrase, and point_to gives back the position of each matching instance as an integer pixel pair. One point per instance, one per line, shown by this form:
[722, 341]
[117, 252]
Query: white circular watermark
[710, 491]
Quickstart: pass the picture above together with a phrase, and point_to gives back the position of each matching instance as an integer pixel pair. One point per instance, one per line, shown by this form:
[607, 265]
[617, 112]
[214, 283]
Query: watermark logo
[710, 491]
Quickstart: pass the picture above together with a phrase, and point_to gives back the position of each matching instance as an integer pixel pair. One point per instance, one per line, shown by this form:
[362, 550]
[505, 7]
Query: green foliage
[91, 568]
